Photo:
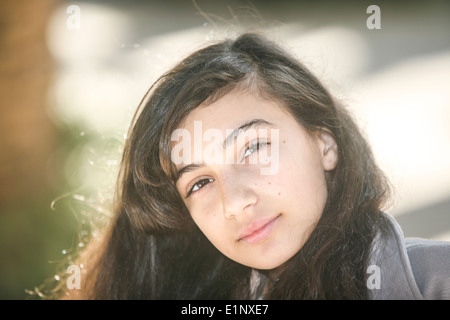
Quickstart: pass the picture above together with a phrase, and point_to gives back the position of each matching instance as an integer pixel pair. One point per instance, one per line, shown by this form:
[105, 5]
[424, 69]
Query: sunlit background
[72, 74]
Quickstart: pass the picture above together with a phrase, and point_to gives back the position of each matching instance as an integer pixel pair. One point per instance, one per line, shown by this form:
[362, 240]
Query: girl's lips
[258, 230]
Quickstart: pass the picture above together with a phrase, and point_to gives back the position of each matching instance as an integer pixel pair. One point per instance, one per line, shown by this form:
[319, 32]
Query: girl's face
[252, 178]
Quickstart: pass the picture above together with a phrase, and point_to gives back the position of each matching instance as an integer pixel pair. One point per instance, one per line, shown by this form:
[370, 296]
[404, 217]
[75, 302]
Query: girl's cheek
[206, 205]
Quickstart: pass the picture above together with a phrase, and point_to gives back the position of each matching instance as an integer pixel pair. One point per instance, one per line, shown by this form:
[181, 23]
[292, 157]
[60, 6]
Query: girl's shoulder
[409, 268]
[430, 263]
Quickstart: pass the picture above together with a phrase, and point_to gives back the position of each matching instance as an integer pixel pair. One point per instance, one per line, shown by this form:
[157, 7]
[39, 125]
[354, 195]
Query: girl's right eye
[198, 185]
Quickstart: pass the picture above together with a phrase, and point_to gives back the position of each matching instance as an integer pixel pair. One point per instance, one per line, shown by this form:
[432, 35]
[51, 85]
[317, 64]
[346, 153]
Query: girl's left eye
[252, 148]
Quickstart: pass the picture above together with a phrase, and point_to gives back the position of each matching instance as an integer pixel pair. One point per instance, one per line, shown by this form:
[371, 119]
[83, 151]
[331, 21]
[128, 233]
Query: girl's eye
[254, 147]
[198, 185]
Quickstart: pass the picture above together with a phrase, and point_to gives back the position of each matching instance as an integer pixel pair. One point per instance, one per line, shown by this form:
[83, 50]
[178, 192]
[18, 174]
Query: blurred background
[72, 74]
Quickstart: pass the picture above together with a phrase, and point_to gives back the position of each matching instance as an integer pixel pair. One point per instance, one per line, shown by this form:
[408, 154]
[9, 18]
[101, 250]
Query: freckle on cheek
[279, 193]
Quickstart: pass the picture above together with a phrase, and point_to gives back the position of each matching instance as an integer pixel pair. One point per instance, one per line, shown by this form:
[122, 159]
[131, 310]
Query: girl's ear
[328, 148]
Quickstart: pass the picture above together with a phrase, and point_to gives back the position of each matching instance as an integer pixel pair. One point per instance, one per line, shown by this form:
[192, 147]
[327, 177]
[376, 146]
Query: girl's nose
[237, 194]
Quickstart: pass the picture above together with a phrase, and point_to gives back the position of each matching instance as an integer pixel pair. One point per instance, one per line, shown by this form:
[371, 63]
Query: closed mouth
[258, 230]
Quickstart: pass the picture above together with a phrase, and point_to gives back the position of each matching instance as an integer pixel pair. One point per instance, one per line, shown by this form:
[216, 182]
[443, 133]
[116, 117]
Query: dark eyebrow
[255, 123]
[252, 124]
[185, 169]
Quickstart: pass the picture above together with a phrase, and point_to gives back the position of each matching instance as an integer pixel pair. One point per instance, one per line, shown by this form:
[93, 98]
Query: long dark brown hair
[154, 250]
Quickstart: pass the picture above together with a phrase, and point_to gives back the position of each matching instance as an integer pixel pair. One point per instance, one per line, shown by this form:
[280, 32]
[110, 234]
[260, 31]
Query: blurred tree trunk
[26, 132]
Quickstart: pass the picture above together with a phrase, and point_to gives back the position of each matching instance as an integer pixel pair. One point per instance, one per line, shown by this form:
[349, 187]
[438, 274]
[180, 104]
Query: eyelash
[201, 181]
[256, 146]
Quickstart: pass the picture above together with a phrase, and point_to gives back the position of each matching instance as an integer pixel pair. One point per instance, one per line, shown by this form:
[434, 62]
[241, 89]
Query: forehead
[231, 110]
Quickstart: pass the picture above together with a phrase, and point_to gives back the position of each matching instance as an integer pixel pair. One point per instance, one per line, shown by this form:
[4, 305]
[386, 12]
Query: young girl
[242, 178]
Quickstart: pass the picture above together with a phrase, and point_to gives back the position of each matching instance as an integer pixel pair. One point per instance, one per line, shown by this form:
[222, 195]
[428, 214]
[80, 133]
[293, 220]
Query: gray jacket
[410, 268]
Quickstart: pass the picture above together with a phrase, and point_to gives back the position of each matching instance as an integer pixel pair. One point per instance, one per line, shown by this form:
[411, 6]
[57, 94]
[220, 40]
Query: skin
[228, 199]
